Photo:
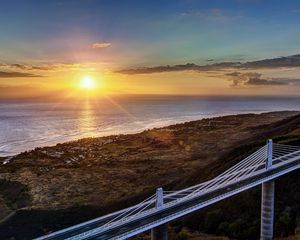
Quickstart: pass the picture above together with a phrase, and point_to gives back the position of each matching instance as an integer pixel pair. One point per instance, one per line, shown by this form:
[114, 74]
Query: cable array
[282, 153]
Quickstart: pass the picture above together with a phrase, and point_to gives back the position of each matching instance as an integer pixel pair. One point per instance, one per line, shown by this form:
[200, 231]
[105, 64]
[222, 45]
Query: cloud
[27, 67]
[280, 62]
[99, 45]
[289, 61]
[213, 14]
[17, 75]
[11, 67]
[31, 67]
[181, 67]
[239, 79]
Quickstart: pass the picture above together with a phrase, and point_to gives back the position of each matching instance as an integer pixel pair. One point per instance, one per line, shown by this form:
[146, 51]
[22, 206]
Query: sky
[48, 47]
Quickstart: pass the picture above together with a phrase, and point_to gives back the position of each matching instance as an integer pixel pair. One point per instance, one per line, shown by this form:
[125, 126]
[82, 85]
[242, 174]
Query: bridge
[261, 167]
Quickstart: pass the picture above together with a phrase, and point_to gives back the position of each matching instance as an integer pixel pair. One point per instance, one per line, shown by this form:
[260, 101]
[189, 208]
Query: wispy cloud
[99, 45]
[42, 67]
[18, 75]
[29, 67]
[213, 14]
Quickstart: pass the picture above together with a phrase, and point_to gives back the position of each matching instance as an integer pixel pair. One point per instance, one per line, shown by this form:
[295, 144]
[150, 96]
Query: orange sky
[47, 47]
[65, 79]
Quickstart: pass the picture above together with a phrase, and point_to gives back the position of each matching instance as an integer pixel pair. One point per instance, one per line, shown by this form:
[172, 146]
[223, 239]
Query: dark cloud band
[290, 61]
[17, 75]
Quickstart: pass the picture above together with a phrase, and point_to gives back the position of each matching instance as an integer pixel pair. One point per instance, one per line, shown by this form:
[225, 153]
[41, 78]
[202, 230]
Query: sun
[87, 82]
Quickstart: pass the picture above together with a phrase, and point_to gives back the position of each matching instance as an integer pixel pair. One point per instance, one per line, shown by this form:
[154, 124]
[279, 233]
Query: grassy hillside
[239, 217]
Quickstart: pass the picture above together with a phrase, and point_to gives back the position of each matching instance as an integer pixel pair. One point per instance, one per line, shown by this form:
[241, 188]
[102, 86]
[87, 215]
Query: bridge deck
[129, 222]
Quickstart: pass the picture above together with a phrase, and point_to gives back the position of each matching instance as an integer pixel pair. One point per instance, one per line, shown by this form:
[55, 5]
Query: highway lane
[80, 228]
[147, 220]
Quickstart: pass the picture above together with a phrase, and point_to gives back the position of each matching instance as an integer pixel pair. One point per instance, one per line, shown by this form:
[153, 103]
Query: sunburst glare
[87, 82]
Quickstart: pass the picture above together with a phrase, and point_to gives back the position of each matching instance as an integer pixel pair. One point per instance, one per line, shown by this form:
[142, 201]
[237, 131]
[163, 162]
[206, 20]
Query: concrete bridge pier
[267, 210]
[267, 201]
[160, 232]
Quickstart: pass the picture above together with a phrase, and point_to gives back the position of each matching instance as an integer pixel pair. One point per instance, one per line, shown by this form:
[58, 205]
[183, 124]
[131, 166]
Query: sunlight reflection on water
[24, 126]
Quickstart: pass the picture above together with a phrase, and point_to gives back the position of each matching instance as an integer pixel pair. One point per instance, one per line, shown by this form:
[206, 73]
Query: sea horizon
[27, 125]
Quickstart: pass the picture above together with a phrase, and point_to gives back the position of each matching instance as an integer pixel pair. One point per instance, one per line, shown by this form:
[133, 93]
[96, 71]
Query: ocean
[26, 125]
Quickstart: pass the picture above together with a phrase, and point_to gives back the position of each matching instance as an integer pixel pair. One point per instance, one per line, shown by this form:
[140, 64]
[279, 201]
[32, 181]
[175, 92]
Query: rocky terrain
[53, 187]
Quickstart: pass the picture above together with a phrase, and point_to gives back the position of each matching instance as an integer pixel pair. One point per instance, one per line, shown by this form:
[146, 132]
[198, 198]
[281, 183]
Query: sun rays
[87, 83]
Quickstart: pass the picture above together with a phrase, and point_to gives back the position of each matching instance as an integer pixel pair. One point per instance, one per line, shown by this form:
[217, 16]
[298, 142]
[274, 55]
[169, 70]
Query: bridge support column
[160, 232]
[267, 210]
[267, 201]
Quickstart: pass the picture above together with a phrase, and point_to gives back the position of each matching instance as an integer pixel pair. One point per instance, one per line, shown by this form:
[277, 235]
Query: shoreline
[4, 158]
[94, 176]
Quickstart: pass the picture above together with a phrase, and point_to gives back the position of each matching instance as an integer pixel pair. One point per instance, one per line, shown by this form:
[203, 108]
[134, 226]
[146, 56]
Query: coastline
[25, 126]
[161, 123]
[93, 176]
[6, 158]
